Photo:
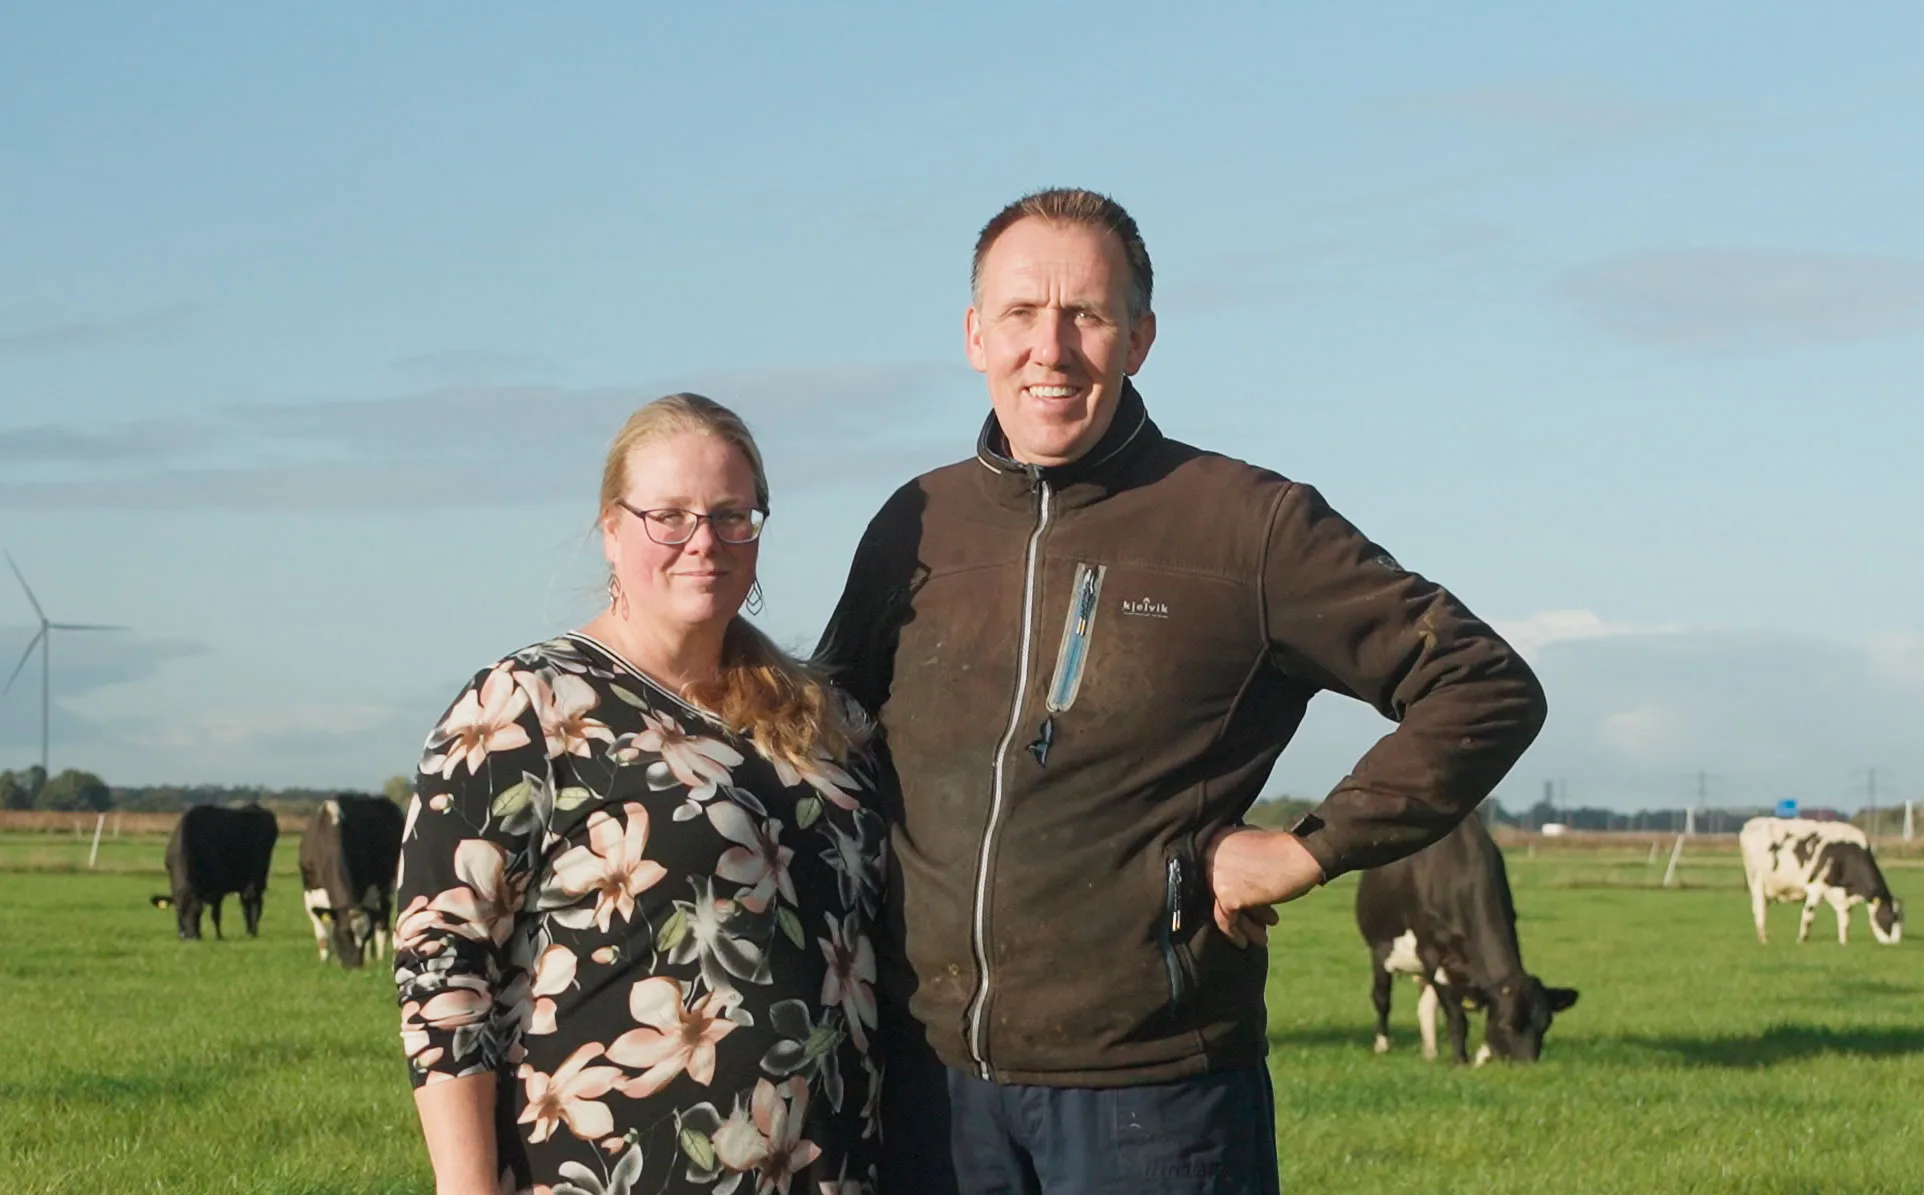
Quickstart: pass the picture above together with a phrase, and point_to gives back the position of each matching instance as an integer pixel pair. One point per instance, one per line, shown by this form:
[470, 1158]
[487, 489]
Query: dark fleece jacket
[1081, 673]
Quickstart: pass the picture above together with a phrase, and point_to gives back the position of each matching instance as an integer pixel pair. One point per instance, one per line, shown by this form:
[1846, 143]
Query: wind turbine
[43, 639]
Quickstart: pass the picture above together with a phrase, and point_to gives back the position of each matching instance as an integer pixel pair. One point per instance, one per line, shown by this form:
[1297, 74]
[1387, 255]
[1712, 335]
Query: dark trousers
[946, 1132]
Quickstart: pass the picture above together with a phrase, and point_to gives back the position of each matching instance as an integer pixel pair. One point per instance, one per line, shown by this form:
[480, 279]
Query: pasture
[1696, 1061]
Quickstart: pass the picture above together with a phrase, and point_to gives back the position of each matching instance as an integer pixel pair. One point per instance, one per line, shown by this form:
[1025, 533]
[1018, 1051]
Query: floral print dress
[656, 939]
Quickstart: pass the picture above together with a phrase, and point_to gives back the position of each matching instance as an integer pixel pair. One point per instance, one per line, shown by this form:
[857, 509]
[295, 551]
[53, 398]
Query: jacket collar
[1089, 477]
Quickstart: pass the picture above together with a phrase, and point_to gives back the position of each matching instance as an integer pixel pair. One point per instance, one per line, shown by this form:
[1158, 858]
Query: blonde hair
[785, 705]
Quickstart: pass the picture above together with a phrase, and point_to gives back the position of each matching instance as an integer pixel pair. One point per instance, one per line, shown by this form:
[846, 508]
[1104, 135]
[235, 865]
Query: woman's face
[705, 580]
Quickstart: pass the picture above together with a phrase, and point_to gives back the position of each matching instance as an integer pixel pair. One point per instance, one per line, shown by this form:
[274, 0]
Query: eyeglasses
[672, 527]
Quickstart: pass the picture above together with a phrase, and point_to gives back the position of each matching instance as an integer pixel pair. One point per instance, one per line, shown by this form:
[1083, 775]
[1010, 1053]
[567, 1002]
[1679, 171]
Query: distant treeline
[77, 791]
[1587, 817]
[83, 792]
[1885, 822]
[70, 791]
[1283, 812]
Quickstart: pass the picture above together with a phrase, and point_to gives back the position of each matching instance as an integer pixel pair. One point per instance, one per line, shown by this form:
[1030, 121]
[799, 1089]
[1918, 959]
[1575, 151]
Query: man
[1085, 649]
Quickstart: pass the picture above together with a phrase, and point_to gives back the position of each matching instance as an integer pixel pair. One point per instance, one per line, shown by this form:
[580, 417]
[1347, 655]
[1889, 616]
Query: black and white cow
[1444, 916]
[212, 852]
[348, 857]
[1794, 859]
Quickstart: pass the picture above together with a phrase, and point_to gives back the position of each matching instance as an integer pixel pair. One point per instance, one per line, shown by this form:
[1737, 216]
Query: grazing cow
[1797, 859]
[1444, 916]
[348, 859]
[215, 851]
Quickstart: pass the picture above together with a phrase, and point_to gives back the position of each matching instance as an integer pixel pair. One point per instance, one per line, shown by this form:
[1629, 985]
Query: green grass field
[1696, 1061]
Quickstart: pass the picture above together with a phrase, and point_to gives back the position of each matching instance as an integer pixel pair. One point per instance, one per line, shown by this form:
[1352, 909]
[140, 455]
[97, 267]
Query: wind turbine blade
[27, 587]
[82, 626]
[24, 657]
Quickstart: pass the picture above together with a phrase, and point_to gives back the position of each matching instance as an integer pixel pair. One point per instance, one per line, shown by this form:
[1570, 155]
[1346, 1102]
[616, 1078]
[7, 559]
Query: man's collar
[1129, 428]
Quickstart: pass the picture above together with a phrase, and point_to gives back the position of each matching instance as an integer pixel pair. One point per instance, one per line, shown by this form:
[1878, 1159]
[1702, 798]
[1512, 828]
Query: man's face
[1052, 332]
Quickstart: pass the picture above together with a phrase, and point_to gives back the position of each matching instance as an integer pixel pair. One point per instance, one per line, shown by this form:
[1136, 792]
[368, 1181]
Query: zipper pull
[1086, 602]
[1045, 738]
[1173, 895]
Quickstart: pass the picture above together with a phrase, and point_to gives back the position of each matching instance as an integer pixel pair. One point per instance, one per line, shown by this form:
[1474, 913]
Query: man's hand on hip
[1251, 869]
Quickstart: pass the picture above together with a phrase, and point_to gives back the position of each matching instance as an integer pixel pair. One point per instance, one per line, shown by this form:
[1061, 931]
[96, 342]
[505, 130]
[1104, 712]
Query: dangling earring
[754, 602]
[617, 604]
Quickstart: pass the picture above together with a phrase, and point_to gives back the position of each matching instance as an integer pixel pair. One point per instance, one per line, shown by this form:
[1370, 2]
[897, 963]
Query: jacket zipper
[1172, 931]
[978, 1008]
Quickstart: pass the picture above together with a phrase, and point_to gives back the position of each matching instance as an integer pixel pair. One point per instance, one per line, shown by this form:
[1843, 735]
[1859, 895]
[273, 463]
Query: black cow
[215, 851]
[348, 859]
[1444, 916]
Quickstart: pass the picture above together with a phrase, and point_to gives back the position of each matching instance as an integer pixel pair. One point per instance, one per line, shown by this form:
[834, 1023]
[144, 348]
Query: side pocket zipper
[1171, 932]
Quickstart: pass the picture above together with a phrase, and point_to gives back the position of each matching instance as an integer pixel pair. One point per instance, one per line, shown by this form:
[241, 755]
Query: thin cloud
[90, 335]
[83, 663]
[344, 746]
[1898, 657]
[1716, 298]
[49, 444]
[348, 485]
[1557, 121]
[1570, 116]
[1363, 207]
[1241, 277]
[1775, 715]
[1540, 630]
[1314, 270]
[1636, 712]
[465, 367]
[487, 445]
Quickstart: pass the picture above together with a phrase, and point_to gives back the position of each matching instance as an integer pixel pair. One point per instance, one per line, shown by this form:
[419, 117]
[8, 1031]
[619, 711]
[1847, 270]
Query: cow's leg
[187, 916]
[1841, 901]
[1757, 906]
[383, 917]
[213, 910]
[1459, 1021]
[315, 900]
[1381, 981]
[1426, 1018]
[1811, 899]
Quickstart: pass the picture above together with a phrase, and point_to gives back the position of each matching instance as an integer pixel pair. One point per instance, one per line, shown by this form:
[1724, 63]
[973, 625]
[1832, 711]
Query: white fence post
[1910, 820]
[1676, 857]
[95, 852]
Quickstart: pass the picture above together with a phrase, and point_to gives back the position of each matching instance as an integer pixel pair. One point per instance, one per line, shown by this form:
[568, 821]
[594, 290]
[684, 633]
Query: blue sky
[313, 325]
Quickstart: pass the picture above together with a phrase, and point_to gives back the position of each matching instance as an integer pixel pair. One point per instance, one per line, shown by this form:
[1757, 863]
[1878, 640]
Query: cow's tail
[162, 902]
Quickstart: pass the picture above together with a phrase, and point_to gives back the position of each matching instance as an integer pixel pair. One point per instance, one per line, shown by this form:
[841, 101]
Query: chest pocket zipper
[1076, 632]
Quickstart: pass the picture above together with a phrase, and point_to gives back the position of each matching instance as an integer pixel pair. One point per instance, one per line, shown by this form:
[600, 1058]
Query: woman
[637, 880]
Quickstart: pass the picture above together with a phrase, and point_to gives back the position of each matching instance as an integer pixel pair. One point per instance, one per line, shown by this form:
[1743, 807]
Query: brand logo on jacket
[1145, 607]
